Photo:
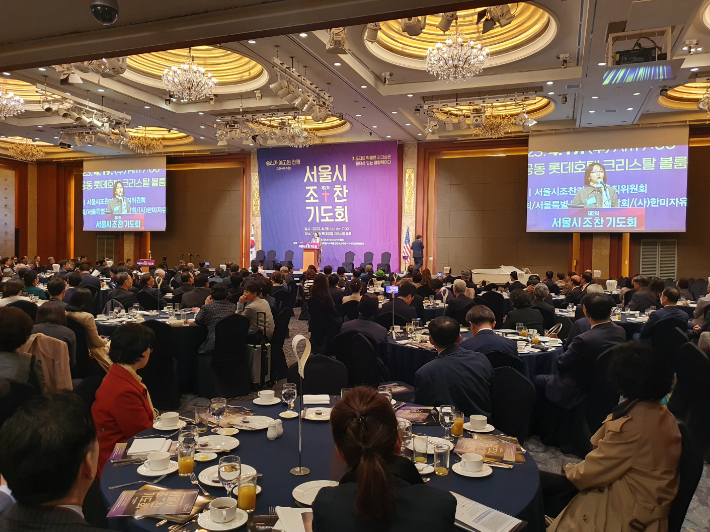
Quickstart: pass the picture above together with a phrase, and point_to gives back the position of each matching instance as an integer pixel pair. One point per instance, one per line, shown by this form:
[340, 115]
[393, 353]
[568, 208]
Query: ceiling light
[358, 115]
[629, 108]
[100, 90]
[456, 59]
[56, 137]
[144, 144]
[550, 93]
[394, 112]
[363, 86]
[42, 69]
[25, 151]
[704, 103]
[202, 127]
[595, 97]
[375, 127]
[373, 28]
[6, 74]
[636, 93]
[407, 124]
[446, 20]
[601, 64]
[40, 127]
[685, 48]
[410, 95]
[336, 64]
[146, 107]
[413, 26]
[10, 105]
[549, 83]
[303, 34]
[592, 111]
[189, 81]
[419, 134]
[251, 41]
[389, 136]
[200, 113]
[699, 49]
[694, 69]
[68, 94]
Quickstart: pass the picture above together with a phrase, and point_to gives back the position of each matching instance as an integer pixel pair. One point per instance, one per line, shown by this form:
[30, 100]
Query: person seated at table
[122, 293]
[51, 321]
[335, 292]
[587, 281]
[455, 376]
[542, 298]
[425, 290]
[15, 330]
[514, 284]
[549, 280]
[187, 283]
[630, 478]
[376, 333]
[456, 304]
[12, 291]
[355, 295]
[257, 310]
[683, 286]
[522, 312]
[73, 282]
[160, 283]
[698, 313]
[48, 457]
[278, 284]
[325, 320]
[582, 324]
[265, 287]
[643, 298]
[342, 279]
[215, 308]
[81, 309]
[382, 491]
[32, 288]
[670, 310]
[147, 284]
[576, 364]
[255, 273]
[482, 322]
[197, 296]
[56, 288]
[87, 279]
[123, 407]
[574, 295]
[235, 286]
[403, 302]
[417, 300]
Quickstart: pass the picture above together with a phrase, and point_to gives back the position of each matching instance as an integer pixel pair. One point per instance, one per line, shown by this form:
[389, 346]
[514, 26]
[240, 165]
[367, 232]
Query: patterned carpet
[547, 458]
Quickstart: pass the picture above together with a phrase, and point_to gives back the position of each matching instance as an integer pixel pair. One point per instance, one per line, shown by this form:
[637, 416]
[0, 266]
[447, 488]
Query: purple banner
[613, 190]
[124, 200]
[344, 194]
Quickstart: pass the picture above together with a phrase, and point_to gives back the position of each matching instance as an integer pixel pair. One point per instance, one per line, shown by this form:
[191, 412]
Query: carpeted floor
[547, 458]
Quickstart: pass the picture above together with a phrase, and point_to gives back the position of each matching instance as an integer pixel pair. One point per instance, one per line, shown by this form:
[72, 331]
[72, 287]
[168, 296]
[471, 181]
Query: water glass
[246, 493]
[218, 405]
[169, 309]
[415, 325]
[186, 459]
[344, 392]
[288, 395]
[410, 330]
[446, 419]
[571, 307]
[519, 327]
[189, 435]
[136, 309]
[405, 433]
[420, 444]
[386, 390]
[202, 418]
[229, 471]
[431, 300]
[183, 316]
[442, 456]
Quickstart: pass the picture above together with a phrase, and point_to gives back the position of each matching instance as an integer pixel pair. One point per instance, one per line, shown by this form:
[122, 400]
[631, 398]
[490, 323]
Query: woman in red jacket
[122, 407]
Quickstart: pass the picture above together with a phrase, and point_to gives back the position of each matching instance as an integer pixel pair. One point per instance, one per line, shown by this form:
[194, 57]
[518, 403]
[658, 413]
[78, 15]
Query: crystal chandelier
[25, 151]
[495, 125]
[704, 103]
[144, 144]
[10, 105]
[456, 59]
[188, 82]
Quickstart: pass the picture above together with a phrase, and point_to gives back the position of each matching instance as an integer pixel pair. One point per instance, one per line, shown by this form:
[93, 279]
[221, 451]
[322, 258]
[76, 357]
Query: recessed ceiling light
[251, 144]
[100, 90]
[592, 111]
[394, 112]
[389, 136]
[374, 127]
[251, 41]
[202, 127]
[202, 138]
[336, 64]
[6, 74]
[146, 107]
[629, 108]
[36, 138]
[218, 120]
[410, 95]
[601, 64]
[200, 113]
[363, 86]
[42, 69]
[549, 82]
[699, 49]
[595, 97]
[694, 69]
[636, 93]
[550, 93]
[56, 137]
[407, 124]
[40, 127]
[358, 115]
[303, 34]
[67, 94]
[419, 134]
[685, 48]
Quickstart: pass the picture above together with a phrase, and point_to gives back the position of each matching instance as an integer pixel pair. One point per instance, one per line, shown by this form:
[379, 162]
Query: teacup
[158, 461]
[169, 419]
[521, 345]
[555, 342]
[472, 462]
[478, 422]
[266, 395]
[223, 509]
[396, 328]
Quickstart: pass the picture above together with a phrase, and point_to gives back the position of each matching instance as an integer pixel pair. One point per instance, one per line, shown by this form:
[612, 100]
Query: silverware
[161, 523]
[196, 482]
[157, 435]
[177, 528]
[155, 481]
[491, 463]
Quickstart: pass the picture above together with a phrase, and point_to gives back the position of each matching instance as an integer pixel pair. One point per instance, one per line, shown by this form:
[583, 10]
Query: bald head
[576, 280]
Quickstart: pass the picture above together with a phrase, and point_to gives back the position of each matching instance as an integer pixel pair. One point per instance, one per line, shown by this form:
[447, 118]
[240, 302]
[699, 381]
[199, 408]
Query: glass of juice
[441, 459]
[186, 459]
[246, 493]
[457, 427]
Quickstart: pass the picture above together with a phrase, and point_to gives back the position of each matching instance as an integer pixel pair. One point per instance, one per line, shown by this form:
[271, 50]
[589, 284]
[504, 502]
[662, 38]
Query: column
[409, 200]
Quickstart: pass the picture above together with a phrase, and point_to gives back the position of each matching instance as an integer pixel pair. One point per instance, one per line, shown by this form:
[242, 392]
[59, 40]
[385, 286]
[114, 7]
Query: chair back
[349, 263]
[500, 359]
[229, 357]
[88, 387]
[260, 256]
[85, 365]
[147, 301]
[513, 397]
[349, 309]
[369, 256]
[278, 357]
[294, 293]
[627, 296]
[698, 289]
[384, 264]
[12, 395]
[283, 299]
[603, 396]
[111, 305]
[359, 356]
[270, 260]
[578, 312]
[323, 375]
[160, 374]
[690, 469]
[349, 256]
[667, 336]
[425, 291]
[478, 300]
[177, 299]
[27, 307]
[288, 258]
[566, 327]
[669, 282]
[548, 317]
[460, 315]
[495, 302]
[385, 319]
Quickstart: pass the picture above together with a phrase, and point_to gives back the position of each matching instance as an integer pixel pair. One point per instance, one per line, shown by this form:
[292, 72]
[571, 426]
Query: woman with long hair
[118, 204]
[424, 289]
[382, 491]
[325, 320]
[81, 308]
[596, 193]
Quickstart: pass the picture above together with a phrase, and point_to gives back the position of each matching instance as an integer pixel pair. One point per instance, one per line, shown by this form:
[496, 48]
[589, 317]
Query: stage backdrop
[345, 192]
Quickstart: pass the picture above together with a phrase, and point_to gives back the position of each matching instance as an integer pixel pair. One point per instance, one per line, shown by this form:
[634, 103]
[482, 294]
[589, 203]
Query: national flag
[406, 248]
[252, 245]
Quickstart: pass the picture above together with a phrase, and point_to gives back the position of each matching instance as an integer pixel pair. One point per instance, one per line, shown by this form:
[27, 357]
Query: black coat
[487, 341]
[527, 315]
[408, 312]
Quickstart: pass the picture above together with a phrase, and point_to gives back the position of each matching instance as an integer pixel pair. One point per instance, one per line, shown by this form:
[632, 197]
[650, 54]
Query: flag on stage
[252, 246]
[406, 248]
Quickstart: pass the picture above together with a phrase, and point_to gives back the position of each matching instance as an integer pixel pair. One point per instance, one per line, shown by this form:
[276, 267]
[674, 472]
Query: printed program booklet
[154, 502]
[492, 447]
[419, 415]
[476, 517]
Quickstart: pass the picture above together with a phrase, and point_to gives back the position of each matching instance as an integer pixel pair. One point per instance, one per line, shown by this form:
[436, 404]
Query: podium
[311, 254]
[145, 264]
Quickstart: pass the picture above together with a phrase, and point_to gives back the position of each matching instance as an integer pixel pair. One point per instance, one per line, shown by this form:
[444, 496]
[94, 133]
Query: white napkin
[290, 518]
[316, 399]
[149, 445]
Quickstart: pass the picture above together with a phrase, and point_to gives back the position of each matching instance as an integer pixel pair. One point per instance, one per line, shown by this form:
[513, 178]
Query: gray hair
[284, 269]
[160, 271]
[541, 290]
[595, 289]
[459, 286]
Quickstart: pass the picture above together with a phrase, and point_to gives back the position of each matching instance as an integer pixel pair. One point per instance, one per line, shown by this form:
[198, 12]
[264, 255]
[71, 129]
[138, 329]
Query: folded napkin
[148, 445]
[290, 519]
[322, 399]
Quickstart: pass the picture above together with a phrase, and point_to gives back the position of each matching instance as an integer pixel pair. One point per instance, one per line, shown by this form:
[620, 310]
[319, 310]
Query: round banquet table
[403, 361]
[631, 327]
[432, 312]
[513, 491]
[187, 341]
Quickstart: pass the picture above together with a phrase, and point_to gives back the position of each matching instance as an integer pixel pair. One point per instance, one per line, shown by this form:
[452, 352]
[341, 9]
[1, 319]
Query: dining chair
[513, 397]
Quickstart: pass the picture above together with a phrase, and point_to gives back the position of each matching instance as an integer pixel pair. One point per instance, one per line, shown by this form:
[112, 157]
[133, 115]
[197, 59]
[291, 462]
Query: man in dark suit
[418, 252]
[50, 494]
[643, 298]
[376, 333]
[587, 280]
[466, 278]
[514, 284]
[197, 296]
[147, 284]
[56, 288]
[335, 292]
[576, 364]
[122, 293]
[74, 282]
[522, 312]
[402, 303]
[87, 279]
[187, 283]
[549, 280]
[482, 321]
[575, 295]
[670, 310]
[455, 377]
[541, 294]
[456, 304]
[160, 282]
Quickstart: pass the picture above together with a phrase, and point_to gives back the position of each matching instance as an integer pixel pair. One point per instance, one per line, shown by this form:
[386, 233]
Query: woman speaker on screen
[118, 204]
[596, 193]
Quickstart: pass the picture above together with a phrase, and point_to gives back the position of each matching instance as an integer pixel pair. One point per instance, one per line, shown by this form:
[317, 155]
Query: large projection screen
[124, 194]
[603, 181]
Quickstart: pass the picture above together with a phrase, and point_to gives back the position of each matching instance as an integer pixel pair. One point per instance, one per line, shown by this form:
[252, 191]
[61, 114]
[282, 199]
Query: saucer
[227, 431]
[208, 475]
[306, 493]
[204, 457]
[261, 402]
[288, 415]
[487, 428]
[205, 521]
[216, 442]
[425, 469]
[145, 471]
[158, 425]
[313, 416]
[459, 470]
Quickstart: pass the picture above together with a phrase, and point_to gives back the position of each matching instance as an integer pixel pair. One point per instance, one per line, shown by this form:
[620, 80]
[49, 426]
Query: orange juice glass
[524, 332]
[186, 460]
[457, 427]
[246, 494]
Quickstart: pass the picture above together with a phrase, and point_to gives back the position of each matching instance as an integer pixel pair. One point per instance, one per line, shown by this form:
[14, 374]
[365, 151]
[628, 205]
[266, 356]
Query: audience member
[48, 456]
[86, 278]
[215, 308]
[74, 282]
[587, 280]
[355, 295]
[402, 303]
[56, 288]
[542, 298]
[436, 287]
[698, 313]
[147, 284]
[258, 312]
[335, 292]
[376, 333]
[582, 324]
[51, 321]
[630, 478]
[123, 293]
[325, 319]
[455, 305]
[382, 491]
[342, 279]
[81, 309]
[643, 298]
[32, 288]
[482, 322]
[683, 286]
[522, 312]
[187, 284]
[514, 284]
[15, 330]
[12, 291]
[670, 310]
[574, 295]
[197, 296]
[160, 283]
[549, 280]
[286, 272]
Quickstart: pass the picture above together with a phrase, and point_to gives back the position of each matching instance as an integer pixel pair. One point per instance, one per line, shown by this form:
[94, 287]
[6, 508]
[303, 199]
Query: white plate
[208, 475]
[205, 521]
[484, 472]
[306, 492]
[288, 415]
[227, 431]
[431, 443]
[158, 425]
[146, 472]
[205, 457]
[253, 422]
[215, 441]
[311, 414]
[487, 428]
[262, 402]
[424, 469]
